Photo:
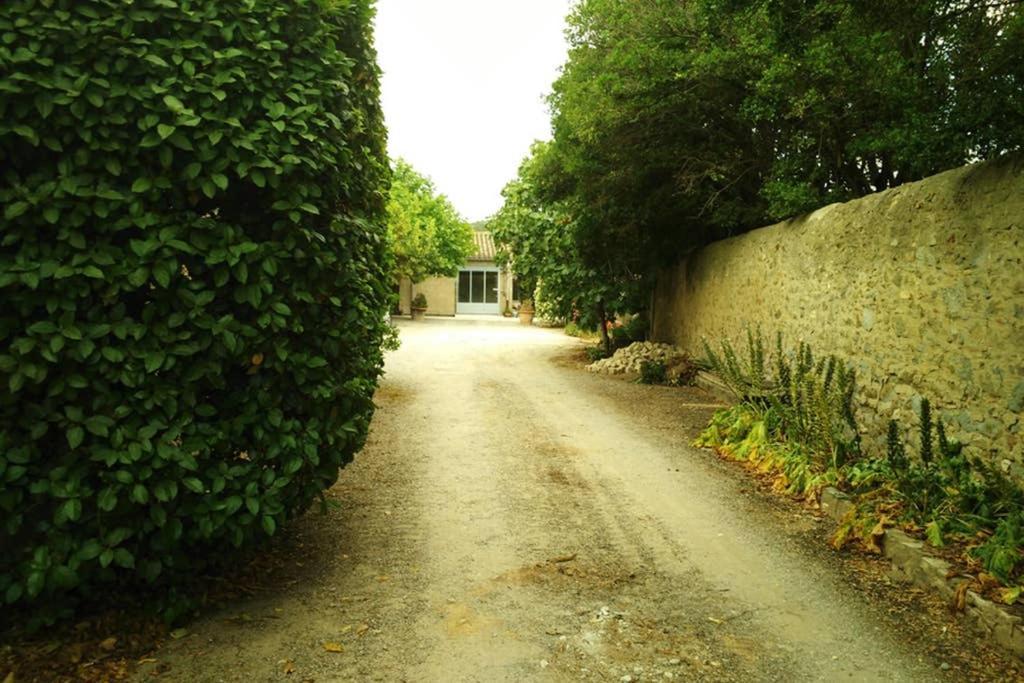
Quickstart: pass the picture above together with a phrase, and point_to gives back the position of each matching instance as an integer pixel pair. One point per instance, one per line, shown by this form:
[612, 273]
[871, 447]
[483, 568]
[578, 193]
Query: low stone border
[713, 385]
[912, 563]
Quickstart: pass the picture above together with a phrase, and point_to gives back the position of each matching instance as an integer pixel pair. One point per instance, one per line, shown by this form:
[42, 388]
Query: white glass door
[478, 291]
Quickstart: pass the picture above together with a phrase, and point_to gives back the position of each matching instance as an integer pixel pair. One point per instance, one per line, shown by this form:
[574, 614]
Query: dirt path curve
[513, 519]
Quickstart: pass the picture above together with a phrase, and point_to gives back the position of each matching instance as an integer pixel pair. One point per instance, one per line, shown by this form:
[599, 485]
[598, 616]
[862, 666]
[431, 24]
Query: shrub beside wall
[192, 270]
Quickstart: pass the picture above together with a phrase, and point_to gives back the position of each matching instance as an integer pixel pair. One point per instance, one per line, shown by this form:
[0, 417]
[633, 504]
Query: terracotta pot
[525, 316]
[418, 313]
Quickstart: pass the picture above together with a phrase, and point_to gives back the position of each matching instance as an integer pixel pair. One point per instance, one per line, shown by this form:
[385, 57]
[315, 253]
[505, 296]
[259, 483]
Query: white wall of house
[480, 287]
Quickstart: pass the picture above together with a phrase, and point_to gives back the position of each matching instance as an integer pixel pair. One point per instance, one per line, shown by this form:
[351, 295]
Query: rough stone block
[1007, 634]
[932, 571]
[902, 549]
[1015, 642]
[835, 503]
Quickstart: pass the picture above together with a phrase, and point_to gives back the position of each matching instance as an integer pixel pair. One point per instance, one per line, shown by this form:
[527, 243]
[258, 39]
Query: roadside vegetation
[795, 424]
[194, 275]
[428, 236]
[676, 124]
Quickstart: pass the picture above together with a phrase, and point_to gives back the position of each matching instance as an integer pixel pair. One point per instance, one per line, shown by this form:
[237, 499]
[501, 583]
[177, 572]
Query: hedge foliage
[193, 273]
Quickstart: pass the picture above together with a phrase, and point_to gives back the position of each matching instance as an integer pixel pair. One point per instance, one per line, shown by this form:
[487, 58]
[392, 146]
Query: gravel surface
[514, 518]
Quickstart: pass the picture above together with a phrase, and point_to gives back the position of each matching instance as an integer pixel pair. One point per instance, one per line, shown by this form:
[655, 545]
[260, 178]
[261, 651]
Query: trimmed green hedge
[193, 273]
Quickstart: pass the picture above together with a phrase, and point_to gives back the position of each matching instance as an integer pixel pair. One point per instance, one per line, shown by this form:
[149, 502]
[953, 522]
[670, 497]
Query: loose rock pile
[630, 358]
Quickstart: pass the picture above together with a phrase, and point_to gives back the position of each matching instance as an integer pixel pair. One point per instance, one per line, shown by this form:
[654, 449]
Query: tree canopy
[677, 123]
[428, 236]
[544, 239]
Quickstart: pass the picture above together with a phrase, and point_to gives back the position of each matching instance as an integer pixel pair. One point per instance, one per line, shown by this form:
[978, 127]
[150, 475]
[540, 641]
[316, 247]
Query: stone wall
[920, 287]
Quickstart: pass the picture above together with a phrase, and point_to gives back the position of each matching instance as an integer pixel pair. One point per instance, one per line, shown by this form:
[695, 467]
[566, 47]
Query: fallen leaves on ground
[334, 647]
[102, 648]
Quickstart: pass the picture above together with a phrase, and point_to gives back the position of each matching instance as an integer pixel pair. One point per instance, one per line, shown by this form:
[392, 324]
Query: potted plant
[419, 306]
[526, 312]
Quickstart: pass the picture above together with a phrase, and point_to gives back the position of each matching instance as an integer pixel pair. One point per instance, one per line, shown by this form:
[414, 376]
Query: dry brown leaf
[562, 558]
[988, 582]
[289, 667]
[334, 647]
[108, 644]
[362, 628]
[257, 359]
[874, 542]
[960, 597]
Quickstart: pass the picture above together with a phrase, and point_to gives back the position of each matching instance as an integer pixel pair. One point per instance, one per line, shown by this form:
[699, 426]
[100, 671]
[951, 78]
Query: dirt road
[513, 518]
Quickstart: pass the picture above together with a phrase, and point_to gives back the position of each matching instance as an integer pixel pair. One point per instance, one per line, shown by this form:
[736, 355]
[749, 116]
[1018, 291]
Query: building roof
[484, 243]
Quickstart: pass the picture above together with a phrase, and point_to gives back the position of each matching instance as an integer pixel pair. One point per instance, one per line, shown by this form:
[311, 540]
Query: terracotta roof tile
[484, 246]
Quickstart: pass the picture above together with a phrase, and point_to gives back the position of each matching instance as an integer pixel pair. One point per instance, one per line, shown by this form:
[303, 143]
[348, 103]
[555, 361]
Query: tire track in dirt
[686, 530]
[514, 520]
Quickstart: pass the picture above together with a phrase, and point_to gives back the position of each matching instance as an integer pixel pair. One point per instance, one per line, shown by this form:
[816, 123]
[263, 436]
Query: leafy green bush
[812, 401]
[419, 301]
[652, 372]
[574, 330]
[751, 433]
[1002, 553]
[428, 236]
[596, 353]
[193, 275]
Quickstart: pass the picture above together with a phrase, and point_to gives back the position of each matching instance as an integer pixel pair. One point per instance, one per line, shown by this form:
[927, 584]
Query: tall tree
[544, 239]
[428, 236]
[680, 122]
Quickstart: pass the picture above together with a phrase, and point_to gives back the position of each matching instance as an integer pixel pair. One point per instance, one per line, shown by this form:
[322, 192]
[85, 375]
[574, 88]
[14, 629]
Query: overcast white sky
[463, 89]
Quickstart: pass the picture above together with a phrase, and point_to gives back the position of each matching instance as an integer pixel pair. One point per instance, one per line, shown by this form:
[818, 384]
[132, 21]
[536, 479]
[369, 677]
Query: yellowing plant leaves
[874, 542]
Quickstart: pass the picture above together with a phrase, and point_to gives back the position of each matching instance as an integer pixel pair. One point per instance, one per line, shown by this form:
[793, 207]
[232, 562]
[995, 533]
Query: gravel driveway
[514, 518]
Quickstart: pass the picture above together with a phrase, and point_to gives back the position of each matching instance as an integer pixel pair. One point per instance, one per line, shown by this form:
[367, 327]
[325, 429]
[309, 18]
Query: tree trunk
[602, 317]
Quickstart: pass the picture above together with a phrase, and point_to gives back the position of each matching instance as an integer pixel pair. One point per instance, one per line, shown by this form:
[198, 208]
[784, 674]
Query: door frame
[470, 308]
